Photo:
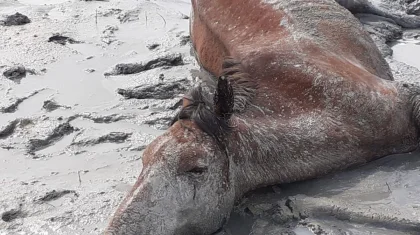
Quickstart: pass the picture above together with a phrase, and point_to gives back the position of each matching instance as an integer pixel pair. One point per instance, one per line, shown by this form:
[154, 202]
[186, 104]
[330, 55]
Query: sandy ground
[70, 144]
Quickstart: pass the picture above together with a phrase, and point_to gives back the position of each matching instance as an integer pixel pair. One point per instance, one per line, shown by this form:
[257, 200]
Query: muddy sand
[86, 85]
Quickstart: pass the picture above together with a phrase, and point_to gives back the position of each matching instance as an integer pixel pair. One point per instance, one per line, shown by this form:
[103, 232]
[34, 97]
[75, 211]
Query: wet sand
[76, 132]
[71, 146]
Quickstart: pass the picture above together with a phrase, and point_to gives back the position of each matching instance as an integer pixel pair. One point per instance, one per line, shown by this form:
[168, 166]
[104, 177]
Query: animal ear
[223, 98]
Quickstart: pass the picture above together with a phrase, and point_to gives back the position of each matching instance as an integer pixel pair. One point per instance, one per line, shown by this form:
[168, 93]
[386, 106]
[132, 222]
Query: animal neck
[255, 154]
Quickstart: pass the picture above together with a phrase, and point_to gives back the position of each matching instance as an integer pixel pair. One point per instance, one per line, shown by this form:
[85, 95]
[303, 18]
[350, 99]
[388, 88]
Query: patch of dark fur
[201, 108]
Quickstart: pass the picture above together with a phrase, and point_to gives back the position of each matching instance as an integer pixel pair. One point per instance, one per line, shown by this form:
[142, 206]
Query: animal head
[187, 183]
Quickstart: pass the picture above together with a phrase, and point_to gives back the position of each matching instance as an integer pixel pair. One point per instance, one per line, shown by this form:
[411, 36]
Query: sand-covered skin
[82, 89]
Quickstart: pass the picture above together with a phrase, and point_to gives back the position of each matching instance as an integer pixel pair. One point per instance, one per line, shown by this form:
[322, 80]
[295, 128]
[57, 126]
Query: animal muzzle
[151, 208]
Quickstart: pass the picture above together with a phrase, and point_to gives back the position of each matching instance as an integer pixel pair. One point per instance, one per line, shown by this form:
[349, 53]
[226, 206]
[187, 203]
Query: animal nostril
[197, 170]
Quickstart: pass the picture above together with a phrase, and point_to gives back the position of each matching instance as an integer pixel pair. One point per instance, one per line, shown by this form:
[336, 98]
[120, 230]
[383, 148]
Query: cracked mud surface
[71, 138]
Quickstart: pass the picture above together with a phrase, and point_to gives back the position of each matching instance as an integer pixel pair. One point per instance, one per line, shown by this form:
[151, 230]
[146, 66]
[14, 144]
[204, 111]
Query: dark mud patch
[9, 129]
[15, 19]
[63, 40]
[57, 134]
[413, 7]
[16, 73]
[107, 119]
[165, 61]
[51, 105]
[54, 195]
[383, 30]
[184, 17]
[158, 91]
[153, 46]
[185, 40]
[11, 108]
[10, 215]
[112, 137]
[160, 123]
[281, 212]
[102, 119]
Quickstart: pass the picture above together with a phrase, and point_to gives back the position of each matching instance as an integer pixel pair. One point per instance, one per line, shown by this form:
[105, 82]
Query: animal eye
[197, 170]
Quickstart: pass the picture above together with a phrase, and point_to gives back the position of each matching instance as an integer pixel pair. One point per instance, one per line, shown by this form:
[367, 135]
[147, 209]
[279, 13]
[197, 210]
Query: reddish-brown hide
[324, 100]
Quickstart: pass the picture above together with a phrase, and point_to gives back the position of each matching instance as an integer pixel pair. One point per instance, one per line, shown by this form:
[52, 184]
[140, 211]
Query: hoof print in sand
[15, 19]
[165, 61]
[158, 91]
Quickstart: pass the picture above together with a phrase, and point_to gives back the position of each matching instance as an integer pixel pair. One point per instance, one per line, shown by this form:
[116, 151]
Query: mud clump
[58, 133]
[112, 137]
[168, 60]
[9, 129]
[158, 91]
[13, 214]
[51, 105]
[108, 35]
[16, 73]
[160, 123]
[11, 108]
[63, 40]
[414, 8]
[153, 46]
[15, 19]
[54, 195]
[185, 40]
[383, 30]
